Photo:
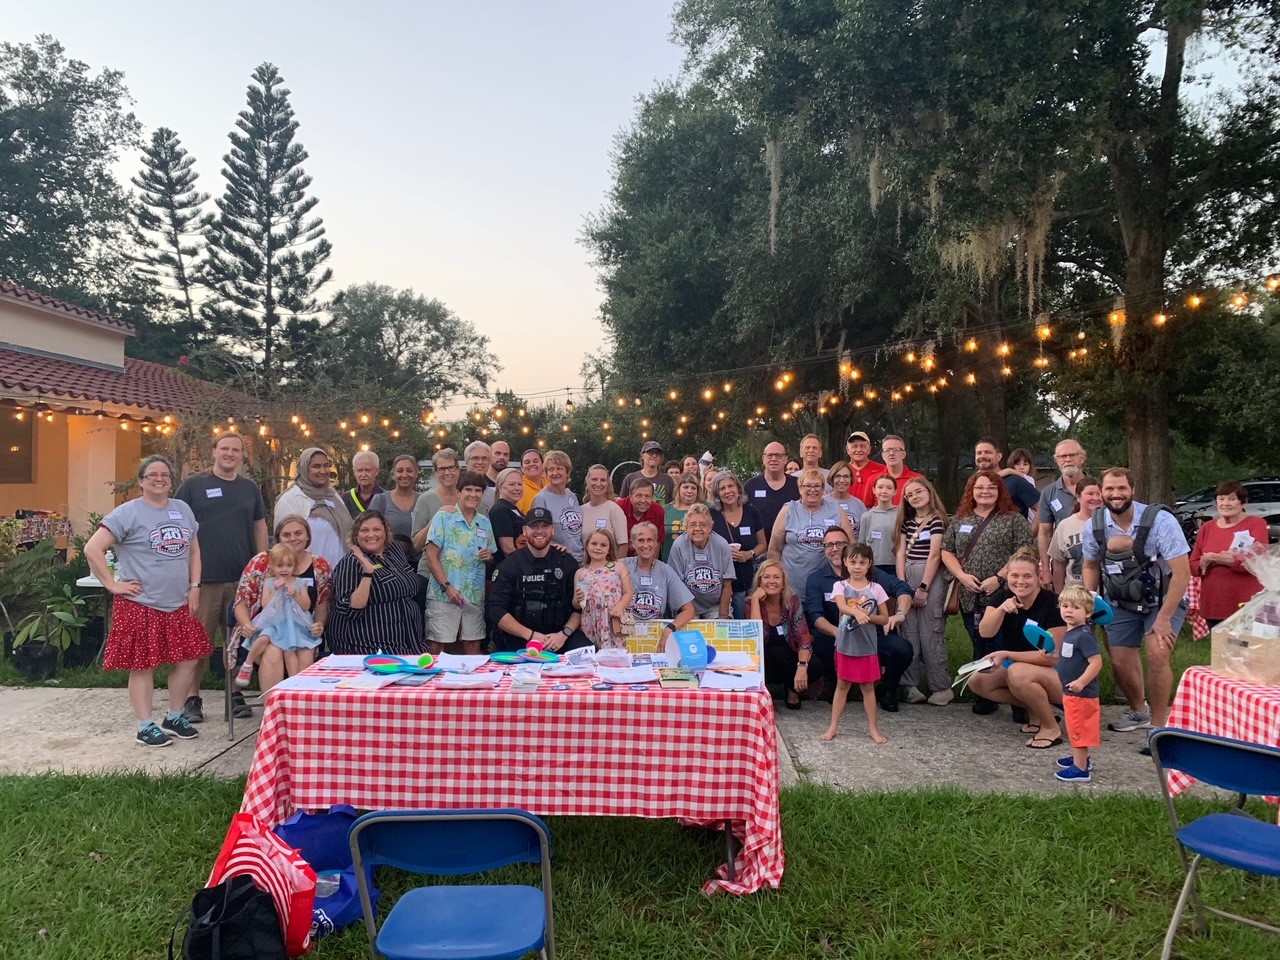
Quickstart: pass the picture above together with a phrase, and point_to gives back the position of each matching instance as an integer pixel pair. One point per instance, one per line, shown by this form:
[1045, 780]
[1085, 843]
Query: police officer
[532, 594]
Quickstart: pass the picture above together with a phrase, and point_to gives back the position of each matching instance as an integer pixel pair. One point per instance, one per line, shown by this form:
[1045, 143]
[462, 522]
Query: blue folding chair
[460, 921]
[1232, 839]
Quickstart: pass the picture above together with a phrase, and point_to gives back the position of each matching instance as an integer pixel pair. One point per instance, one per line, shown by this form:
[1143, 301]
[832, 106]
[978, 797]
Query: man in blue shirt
[1157, 628]
[894, 651]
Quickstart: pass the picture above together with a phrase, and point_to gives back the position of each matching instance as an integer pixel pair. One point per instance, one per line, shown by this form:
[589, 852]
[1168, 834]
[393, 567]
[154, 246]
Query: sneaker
[152, 736]
[1065, 762]
[915, 696]
[193, 710]
[179, 727]
[1074, 774]
[1129, 721]
[1145, 751]
[240, 709]
[245, 675]
[941, 698]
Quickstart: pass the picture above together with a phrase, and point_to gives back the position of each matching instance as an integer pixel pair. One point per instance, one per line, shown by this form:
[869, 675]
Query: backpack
[1130, 578]
[232, 920]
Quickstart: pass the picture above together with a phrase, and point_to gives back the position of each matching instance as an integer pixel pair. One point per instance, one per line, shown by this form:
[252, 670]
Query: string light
[708, 394]
[971, 345]
[364, 419]
[1160, 319]
[1239, 301]
[971, 379]
[1116, 318]
[911, 356]
[727, 387]
[1194, 300]
[1004, 350]
[1273, 283]
[779, 384]
[342, 424]
[673, 395]
[1007, 371]
[1044, 331]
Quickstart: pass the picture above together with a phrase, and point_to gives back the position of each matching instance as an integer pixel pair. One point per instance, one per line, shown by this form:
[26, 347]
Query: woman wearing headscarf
[313, 497]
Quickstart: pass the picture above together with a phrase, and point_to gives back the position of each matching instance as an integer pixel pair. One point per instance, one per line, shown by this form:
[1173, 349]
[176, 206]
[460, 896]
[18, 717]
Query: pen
[729, 673]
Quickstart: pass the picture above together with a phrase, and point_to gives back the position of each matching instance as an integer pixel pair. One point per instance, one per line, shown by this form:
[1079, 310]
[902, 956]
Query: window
[17, 448]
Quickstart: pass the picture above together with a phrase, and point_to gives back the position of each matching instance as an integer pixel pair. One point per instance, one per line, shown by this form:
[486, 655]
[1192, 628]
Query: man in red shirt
[641, 508]
[864, 469]
[894, 451]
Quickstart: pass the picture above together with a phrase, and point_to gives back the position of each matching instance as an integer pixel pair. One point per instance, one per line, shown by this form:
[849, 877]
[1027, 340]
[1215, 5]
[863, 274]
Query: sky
[455, 149]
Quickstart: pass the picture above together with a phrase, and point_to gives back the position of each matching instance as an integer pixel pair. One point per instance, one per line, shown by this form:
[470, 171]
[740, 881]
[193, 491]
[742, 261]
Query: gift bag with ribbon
[250, 849]
[322, 839]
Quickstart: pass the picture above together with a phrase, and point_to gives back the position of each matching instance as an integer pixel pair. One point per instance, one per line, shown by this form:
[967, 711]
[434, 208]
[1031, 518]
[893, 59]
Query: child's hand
[860, 615]
[1074, 686]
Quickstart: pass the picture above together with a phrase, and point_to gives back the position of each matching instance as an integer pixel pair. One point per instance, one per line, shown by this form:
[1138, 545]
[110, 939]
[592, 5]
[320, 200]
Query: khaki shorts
[215, 598]
[448, 623]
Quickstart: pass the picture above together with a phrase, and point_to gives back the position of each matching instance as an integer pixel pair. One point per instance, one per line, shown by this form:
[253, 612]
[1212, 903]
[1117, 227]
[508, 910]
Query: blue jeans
[738, 605]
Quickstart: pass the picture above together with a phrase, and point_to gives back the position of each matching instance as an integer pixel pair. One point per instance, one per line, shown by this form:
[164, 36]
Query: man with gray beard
[1058, 499]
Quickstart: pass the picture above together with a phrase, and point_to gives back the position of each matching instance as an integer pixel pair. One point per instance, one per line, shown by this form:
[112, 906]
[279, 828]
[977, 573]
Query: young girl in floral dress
[604, 586]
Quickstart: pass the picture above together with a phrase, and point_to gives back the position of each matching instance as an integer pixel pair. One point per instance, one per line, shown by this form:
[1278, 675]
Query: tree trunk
[949, 428]
[1145, 356]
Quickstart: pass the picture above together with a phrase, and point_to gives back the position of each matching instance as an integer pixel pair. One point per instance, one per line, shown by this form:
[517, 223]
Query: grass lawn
[101, 867]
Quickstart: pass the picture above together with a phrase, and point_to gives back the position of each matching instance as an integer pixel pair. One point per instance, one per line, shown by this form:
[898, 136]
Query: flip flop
[1029, 728]
[1043, 743]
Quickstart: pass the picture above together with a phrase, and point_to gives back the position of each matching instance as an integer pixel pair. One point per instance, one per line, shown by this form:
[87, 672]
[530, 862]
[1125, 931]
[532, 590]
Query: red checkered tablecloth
[700, 755]
[1208, 703]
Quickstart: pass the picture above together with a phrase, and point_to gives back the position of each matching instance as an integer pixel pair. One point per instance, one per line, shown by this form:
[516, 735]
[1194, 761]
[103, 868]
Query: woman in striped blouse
[375, 595]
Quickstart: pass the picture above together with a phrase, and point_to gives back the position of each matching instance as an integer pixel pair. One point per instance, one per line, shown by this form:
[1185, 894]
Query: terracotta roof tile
[13, 291]
[141, 384]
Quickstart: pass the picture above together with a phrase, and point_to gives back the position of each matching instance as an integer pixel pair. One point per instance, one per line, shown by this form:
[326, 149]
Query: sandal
[1030, 728]
[1043, 743]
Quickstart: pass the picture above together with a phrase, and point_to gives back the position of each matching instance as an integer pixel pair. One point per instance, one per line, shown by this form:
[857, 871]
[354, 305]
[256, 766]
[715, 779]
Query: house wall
[60, 334]
[49, 491]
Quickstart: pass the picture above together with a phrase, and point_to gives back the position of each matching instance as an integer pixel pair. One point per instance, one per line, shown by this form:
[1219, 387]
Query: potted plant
[46, 633]
[25, 579]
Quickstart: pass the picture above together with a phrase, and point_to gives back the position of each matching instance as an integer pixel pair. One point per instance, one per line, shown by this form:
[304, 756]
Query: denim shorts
[1128, 628]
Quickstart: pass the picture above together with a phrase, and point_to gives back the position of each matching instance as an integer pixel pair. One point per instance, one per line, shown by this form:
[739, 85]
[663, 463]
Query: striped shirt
[919, 537]
[390, 622]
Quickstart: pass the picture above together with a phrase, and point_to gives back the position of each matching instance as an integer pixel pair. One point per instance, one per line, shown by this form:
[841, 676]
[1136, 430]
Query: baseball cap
[538, 515]
[651, 446]
[858, 435]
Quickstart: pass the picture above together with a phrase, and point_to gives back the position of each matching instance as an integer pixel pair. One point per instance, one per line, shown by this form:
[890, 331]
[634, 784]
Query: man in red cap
[864, 469]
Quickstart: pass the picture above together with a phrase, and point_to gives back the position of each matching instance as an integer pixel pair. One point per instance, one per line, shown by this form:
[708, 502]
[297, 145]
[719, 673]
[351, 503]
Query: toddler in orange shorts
[1078, 666]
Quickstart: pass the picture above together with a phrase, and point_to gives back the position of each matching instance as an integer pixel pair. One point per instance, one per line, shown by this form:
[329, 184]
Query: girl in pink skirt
[156, 590]
[864, 608]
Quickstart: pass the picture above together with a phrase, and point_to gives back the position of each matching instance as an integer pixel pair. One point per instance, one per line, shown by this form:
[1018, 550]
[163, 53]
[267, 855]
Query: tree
[63, 216]
[402, 345]
[167, 211]
[267, 253]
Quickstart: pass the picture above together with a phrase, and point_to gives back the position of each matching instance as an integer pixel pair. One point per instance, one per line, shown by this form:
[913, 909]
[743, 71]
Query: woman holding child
[314, 573]
[1029, 680]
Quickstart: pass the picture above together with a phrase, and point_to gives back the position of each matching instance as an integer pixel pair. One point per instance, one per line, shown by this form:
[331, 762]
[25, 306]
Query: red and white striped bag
[251, 849]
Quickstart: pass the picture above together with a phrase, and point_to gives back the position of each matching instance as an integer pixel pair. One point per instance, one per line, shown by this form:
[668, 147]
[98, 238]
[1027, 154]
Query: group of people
[852, 568]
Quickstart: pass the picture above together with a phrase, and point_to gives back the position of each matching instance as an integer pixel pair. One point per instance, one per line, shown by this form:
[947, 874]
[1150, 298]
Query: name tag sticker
[966, 528]
[601, 522]
[213, 493]
[1056, 504]
[1113, 569]
[758, 493]
[782, 629]
[1068, 649]
[829, 522]
[700, 557]
[646, 581]
[924, 535]
[877, 534]
[744, 531]
[175, 514]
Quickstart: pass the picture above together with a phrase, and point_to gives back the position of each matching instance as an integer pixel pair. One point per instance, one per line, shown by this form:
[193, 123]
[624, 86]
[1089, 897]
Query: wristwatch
[567, 631]
[194, 585]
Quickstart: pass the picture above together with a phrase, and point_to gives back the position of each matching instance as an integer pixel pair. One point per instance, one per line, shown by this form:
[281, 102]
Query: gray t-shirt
[400, 521]
[227, 511]
[656, 594]
[1056, 502]
[1078, 646]
[703, 570]
[802, 548]
[875, 529]
[855, 639]
[566, 512]
[853, 509]
[153, 546]
[664, 488]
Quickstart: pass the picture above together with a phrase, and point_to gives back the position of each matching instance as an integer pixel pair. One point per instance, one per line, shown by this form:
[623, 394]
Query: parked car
[1264, 501]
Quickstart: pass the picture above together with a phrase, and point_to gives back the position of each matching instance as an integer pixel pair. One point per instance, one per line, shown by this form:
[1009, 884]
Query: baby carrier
[1131, 579]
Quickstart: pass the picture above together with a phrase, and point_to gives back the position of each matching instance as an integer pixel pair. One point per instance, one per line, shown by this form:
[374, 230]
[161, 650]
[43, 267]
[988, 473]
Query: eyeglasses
[812, 486]
[773, 456]
[157, 476]
[894, 450]
[446, 469]
[1067, 456]
[834, 544]
[984, 488]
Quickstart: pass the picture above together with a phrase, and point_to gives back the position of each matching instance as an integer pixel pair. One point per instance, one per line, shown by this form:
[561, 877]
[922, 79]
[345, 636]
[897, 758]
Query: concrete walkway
[88, 731]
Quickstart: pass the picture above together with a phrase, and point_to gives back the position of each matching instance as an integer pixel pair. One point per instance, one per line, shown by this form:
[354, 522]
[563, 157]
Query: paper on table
[305, 681]
[467, 680]
[343, 662]
[566, 669]
[644, 674]
[733, 658]
[750, 680]
[461, 663]
[368, 681]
